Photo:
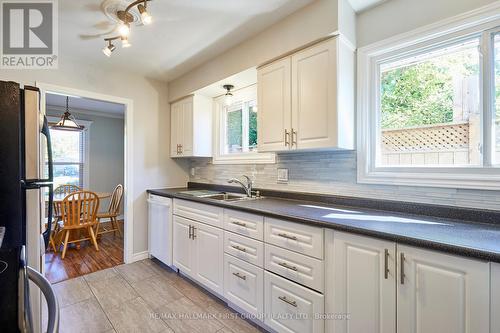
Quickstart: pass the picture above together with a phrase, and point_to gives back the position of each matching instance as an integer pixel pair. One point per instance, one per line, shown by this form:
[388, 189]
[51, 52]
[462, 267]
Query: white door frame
[128, 226]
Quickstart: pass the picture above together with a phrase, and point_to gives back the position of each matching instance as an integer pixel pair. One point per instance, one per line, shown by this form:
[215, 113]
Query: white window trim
[244, 158]
[86, 138]
[369, 57]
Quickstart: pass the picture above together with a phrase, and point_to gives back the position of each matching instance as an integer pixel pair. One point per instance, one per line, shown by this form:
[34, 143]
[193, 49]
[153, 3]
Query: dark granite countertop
[466, 238]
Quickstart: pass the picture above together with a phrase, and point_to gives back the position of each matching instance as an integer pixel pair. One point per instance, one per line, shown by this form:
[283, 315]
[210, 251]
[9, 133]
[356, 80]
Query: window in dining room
[68, 149]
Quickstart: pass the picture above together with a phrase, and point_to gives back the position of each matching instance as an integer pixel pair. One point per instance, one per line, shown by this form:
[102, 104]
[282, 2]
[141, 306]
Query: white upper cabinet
[274, 102]
[191, 127]
[441, 293]
[306, 100]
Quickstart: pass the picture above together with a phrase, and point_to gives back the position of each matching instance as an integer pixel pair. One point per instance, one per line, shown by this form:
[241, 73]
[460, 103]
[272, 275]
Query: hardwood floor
[85, 260]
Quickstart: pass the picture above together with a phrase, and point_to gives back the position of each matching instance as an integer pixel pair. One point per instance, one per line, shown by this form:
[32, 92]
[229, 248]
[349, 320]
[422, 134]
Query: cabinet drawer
[244, 224]
[292, 308]
[244, 248]
[208, 214]
[294, 266]
[297, 237]
[244, 285]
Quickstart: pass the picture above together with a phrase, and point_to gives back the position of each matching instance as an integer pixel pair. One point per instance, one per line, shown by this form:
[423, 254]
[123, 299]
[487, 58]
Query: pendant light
[228, 97]
[67, 121]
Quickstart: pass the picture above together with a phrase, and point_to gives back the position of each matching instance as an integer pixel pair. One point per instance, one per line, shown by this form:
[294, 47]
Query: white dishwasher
[160, 228]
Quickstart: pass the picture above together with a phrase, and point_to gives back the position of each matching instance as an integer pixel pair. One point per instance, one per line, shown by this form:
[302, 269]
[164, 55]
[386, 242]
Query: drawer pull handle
[287, 236]
[403, 268]
[284, 264]
[238, 275]
[241, 224]
[239, 248]
[286, 300]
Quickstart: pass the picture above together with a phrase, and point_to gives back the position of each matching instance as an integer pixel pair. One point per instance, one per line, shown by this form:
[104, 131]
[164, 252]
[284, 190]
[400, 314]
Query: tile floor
[142, 297]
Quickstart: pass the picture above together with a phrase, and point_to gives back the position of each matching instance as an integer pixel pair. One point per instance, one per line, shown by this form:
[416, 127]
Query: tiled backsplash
[335, 173]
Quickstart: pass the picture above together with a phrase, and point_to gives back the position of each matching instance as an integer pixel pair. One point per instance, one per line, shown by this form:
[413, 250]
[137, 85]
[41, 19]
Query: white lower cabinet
[290, 307]
[441, 293]
[244, 285]
[198, 252]
[363, 275]
[208, 253]
[183, 245]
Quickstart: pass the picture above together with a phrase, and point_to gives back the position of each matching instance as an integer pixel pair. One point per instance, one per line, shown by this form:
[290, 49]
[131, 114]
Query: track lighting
[125, 19]
[145, 16]
[125, 42]
[108, 49]
[228, 97]
[124, 29]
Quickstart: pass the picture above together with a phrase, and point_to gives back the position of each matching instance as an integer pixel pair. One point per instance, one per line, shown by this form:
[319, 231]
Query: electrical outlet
[282, 175]
[192, 172]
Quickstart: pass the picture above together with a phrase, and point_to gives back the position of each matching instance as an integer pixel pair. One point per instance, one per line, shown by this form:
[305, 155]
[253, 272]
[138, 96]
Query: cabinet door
[274, 115]
[360, 286]
[183, 245]
[209, 256]
[175, 128]
[187, 127]
[441, 293]
[314, 102]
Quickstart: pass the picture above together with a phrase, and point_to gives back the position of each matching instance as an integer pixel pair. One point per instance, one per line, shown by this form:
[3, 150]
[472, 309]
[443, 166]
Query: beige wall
[316, 20]
[397, 16]
[151, 122]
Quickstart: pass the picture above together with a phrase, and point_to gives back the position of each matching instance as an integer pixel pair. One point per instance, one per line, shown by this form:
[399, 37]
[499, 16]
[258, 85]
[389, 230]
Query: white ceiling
[184, 33]
[85, 105]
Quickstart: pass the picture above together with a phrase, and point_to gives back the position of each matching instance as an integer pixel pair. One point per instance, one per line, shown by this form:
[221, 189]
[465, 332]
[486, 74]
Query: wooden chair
[79, 211]
[113, 212]
[61, 189]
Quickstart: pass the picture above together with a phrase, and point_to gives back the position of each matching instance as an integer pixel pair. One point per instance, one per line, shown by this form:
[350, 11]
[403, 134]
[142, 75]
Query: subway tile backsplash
[335, 173]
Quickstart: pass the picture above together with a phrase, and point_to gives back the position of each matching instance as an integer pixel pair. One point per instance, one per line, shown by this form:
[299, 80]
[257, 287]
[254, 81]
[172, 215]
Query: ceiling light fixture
[67, 121]
[108, 49]
[126, 19]
[228, 97]
[145, 16]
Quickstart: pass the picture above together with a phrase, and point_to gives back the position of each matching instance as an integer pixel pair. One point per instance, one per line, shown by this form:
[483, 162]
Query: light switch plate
[192, 172]
[282, 175]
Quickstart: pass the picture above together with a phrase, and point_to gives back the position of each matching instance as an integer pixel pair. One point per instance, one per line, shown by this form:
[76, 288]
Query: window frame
[85, 137]
[483, 23]
[219, 140]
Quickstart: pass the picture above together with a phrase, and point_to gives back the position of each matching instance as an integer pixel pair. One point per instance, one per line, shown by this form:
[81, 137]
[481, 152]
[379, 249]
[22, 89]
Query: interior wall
[151, 163]
[398, 16]
[314, 21]
[106, 139]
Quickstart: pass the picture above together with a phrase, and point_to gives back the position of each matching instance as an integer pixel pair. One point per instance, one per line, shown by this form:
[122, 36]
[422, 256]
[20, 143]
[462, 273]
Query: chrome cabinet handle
[182, 149]
[238, 275]
[239, 248]
[286, 300]
[402, 268]
[294, 135]
[190, 232]
[287, 138]
[241, 224]
[194, 235]
[284, 264]
[287, 236]
[386, 264]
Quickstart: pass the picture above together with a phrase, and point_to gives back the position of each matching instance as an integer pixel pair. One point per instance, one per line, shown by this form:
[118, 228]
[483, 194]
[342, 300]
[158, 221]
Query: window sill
[249, 158]
[464, 178]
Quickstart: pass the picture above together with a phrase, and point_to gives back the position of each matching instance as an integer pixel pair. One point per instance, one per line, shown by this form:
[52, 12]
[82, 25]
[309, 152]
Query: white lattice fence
[433, 144]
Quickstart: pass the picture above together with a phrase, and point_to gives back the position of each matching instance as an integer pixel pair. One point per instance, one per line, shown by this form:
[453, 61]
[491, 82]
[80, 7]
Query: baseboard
[139, 256]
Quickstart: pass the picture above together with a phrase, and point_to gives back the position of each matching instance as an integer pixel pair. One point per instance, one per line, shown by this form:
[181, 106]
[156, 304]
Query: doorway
[96, 160]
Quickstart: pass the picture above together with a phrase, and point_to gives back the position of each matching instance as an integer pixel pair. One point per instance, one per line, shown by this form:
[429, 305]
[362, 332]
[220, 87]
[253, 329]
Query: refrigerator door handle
[25, 321]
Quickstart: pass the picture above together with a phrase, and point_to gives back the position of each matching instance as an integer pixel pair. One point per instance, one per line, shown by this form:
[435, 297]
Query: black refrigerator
[26, 196]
